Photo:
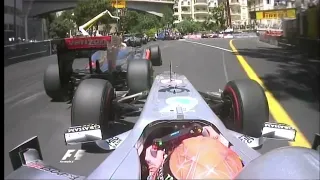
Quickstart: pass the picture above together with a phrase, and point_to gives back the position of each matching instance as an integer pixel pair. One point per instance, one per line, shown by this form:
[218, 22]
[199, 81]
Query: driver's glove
[154, 161]
[208, 131]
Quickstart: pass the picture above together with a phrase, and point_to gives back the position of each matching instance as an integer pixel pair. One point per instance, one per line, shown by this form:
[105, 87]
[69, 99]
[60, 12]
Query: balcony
[200, 20]
[212, 5]
[235, 18]
[200, 3]
[185, 4]
[234, 3]
[201, 12]
[235, 13]
[185, 12]
[176, 13]
[176, 21]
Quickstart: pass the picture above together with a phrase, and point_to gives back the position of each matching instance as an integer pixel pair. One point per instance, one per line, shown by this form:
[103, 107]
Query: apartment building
[263, 5]
[13, 20]
[239, 12]
[198, 10]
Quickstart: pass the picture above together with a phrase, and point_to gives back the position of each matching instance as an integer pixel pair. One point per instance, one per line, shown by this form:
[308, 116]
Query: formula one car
[109, 65]
[174, 110]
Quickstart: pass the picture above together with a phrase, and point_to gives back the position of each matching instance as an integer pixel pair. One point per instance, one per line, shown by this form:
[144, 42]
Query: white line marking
[216, 47]
[15, 57]
[224, 67]
[28, 99]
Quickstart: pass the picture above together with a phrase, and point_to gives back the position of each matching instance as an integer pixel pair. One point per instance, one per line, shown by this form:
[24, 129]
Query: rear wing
[69, 49]
[92, 43]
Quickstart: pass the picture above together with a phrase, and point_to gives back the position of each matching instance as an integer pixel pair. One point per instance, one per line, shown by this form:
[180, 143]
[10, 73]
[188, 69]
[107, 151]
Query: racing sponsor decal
[114, 141]
[246, 139]
[168, 81]
[83, 128]
[185, 103]
[277, 126]
[53, 170]
[87, 42]
[174, 90]
[72, 155]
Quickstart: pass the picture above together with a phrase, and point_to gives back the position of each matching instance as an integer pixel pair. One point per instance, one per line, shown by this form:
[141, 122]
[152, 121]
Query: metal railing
[26, 51]
[200, 2]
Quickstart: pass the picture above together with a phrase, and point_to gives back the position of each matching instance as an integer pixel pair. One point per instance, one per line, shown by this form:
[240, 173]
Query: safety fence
[307, 47]
[27, 51]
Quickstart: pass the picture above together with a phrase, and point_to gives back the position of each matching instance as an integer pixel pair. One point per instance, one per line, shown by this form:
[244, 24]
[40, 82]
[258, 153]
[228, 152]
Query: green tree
[217, 15]
[130, 20]
[167, 18]
[147, 21]
[209, 24]
[138, 22]
[188, 26]
[61, 25]
[151, 32]
[88, 9]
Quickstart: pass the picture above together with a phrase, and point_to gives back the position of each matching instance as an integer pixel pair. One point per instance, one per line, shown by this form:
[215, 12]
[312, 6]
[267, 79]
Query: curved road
[208, 64]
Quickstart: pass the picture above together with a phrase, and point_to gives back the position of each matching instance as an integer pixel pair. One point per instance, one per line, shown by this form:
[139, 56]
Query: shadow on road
[295, 76]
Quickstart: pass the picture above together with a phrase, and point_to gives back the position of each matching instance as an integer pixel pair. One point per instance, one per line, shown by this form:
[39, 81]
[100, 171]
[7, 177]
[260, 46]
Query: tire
[155, 56]
[250, 106]
[139, 75]
[52, 84]
[92, 104]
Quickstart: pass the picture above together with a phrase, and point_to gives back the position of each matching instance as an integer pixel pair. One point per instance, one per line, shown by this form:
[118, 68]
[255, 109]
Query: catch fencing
[27, 51]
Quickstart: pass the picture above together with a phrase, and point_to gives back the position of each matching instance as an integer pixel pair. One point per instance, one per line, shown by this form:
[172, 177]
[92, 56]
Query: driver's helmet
[202, 158]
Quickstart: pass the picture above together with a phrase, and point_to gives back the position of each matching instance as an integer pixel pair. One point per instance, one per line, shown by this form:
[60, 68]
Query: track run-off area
[208, 63]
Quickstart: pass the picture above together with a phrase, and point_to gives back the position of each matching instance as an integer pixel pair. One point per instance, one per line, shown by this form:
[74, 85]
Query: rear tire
[139, 75]
[155, 55]
[52, 84]
[249, 104]
[92, 104]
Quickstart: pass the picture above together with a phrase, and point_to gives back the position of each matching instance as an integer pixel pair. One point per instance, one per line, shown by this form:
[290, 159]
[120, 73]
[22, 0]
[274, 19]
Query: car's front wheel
[246, 107]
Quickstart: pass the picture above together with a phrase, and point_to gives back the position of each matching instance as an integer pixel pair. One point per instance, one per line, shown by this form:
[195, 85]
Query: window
[188, 2]
[10, 10]
[184, 9]
[11, 27]
[268, 1]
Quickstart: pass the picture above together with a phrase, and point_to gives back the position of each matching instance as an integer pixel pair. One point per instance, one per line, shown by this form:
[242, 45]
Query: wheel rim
[229, 113]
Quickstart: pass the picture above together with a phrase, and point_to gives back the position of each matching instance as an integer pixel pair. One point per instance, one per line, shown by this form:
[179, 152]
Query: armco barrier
[307, 47]
[26, 51]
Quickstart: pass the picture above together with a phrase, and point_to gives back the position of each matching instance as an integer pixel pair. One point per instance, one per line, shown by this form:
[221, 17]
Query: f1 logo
[72, 155]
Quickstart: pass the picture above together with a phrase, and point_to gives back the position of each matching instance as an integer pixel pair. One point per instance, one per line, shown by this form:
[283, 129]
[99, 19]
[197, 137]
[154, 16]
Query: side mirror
[83, 134]
[25, 152]
[278, 131]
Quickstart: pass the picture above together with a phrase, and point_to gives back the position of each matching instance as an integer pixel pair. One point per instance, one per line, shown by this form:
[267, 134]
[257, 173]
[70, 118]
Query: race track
[207, 63]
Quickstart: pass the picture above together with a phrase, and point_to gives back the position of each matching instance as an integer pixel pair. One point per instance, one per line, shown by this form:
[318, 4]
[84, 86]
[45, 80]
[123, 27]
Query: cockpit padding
[284, 163]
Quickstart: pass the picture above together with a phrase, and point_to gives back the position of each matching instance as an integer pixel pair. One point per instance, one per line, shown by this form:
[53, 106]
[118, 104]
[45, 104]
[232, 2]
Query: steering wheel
[166, 142]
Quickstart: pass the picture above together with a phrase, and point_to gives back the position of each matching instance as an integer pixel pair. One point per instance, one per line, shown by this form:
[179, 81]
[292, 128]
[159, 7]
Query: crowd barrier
[307, 47]
[27, 51]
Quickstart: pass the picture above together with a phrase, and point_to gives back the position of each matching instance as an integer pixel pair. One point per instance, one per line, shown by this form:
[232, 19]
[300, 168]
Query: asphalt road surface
[207, 63]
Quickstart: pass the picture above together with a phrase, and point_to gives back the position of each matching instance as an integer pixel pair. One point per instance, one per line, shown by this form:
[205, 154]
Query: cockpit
[169, 137]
